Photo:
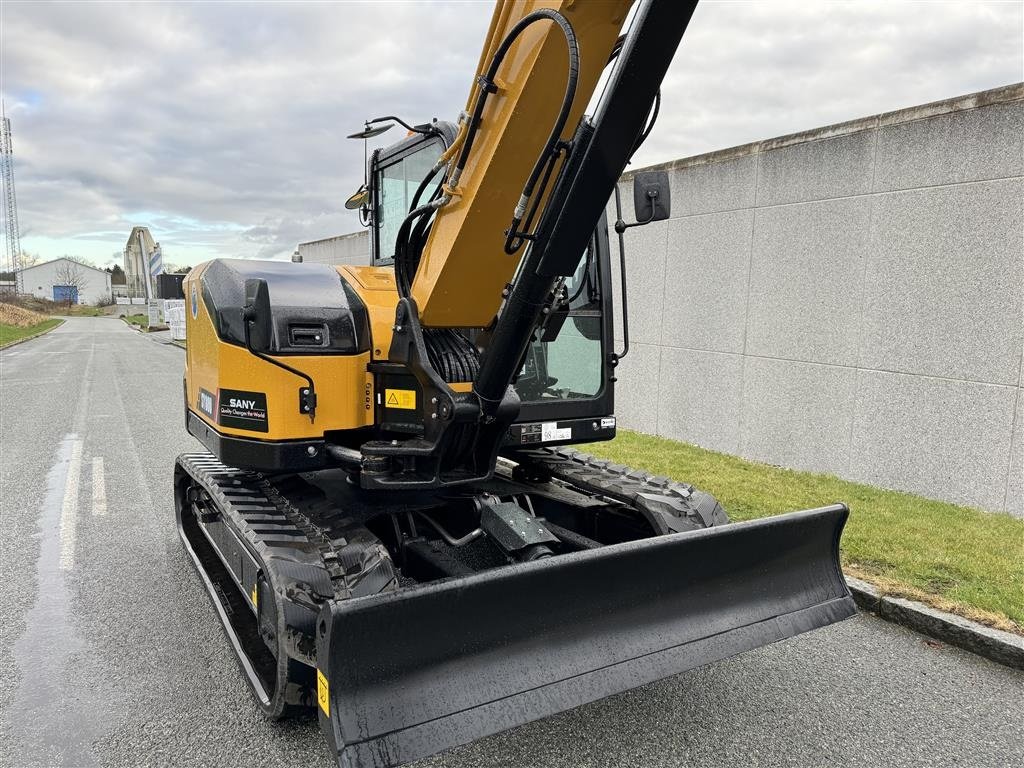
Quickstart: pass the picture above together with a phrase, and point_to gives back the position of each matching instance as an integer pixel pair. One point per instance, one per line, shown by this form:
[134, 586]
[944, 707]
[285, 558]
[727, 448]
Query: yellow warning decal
[323, 697]
[255, 595]
[400, 398]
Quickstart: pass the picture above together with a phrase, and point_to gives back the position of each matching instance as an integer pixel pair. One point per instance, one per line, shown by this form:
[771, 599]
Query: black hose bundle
[409, 242]
[655, 109]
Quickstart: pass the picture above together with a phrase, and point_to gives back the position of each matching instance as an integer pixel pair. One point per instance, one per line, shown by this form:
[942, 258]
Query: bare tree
[71, 275]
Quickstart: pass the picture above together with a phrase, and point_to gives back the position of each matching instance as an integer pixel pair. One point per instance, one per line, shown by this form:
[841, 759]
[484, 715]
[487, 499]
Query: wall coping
[347, 236]
[1002, 95]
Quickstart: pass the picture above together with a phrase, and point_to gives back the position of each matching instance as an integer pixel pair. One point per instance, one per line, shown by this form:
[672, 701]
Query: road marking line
[69, 508]
[99, 488]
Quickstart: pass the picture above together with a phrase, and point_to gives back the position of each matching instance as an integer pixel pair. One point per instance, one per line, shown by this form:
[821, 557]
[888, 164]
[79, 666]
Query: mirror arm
[307, 394]
[429, 131]
[620, 228]
[620, 225]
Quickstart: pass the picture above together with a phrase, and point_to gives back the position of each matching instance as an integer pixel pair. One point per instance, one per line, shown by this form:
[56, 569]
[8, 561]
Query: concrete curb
[10, 344]
[1002, 647]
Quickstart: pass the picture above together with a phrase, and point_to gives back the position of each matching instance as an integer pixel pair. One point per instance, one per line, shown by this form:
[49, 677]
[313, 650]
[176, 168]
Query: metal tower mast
[13, 245]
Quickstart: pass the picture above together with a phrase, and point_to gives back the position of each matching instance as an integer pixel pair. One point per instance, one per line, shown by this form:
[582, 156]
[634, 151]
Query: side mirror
[652, 200]
[359, 199]
[259, 328]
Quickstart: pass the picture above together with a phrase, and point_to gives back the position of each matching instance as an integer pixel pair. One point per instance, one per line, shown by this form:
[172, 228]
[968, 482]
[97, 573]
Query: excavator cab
[566, 384]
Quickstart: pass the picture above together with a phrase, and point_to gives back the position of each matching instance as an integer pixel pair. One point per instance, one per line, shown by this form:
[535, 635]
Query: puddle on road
[53, 721]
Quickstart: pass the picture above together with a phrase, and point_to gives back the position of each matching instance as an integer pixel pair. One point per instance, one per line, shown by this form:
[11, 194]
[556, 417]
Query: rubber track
[287, 520]
[680, 505]
[358, 563]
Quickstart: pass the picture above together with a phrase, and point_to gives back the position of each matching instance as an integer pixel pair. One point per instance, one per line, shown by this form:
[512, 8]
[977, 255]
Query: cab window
[395, 185]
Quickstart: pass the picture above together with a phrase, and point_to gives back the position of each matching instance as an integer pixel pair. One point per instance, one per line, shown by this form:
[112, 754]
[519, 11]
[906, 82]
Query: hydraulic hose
[487, 87]
[407, 250]
[514, 241]
[653, 115]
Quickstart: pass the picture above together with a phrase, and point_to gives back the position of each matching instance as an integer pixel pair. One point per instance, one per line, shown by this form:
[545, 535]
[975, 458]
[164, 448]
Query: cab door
[567, 382]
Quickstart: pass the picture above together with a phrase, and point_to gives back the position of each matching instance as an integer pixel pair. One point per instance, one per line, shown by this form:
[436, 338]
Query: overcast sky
[221, 125]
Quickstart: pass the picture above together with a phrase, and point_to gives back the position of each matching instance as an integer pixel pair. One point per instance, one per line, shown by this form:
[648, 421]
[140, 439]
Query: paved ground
[111, 655]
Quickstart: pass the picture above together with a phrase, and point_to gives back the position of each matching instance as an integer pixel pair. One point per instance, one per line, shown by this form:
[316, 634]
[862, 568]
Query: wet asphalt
[111, 655]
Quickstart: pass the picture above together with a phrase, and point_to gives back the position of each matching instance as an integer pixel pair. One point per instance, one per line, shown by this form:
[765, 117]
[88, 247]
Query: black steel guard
[408, 674]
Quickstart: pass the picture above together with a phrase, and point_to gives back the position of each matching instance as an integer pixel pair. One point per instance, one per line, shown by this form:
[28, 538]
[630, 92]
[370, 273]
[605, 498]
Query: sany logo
[235, 403]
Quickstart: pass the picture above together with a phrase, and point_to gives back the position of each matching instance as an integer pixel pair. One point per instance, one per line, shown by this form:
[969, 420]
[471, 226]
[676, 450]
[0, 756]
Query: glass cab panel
[396, 181]
[570, 365]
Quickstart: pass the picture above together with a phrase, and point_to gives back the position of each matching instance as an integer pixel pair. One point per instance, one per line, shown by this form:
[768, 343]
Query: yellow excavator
[387, 516]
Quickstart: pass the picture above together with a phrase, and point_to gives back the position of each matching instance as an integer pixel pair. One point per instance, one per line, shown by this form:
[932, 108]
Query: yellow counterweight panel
[344, 388]
[464, 266]
[376, 287]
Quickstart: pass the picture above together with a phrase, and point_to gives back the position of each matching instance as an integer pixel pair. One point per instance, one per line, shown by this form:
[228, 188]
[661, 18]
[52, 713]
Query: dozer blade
[407, 674]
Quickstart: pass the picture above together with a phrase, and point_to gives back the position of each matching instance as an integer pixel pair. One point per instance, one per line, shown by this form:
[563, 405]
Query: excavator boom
[465, 255]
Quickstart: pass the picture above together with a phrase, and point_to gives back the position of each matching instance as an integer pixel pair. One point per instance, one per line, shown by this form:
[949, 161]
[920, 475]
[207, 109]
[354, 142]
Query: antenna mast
[13, 240]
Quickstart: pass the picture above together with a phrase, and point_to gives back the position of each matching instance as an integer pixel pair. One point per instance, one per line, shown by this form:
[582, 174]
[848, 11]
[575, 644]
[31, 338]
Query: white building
[64, 279]
[351, 249]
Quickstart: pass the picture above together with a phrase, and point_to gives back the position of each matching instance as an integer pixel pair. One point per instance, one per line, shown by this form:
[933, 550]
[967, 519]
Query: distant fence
[848, 300]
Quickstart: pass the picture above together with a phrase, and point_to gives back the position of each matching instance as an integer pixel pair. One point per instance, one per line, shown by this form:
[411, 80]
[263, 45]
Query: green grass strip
[12, 333]
[140, 320]
[955, 558]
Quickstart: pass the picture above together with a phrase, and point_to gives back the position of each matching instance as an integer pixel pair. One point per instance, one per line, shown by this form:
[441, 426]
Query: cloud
[222, 125]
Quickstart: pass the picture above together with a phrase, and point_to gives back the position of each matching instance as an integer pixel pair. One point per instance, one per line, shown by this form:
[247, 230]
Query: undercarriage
[416, 621]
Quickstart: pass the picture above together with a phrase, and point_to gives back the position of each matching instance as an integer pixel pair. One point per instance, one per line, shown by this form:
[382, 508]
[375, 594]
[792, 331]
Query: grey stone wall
[351, 249]
[847, 300]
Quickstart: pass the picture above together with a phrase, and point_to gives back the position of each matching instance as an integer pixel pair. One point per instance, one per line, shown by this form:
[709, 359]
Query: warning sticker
[549, 431]
[400, 398]
[242, 410]
[323, 697]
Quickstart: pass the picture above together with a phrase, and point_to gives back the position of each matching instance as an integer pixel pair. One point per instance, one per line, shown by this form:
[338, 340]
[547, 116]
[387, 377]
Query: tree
[71, 275]
[117, 276]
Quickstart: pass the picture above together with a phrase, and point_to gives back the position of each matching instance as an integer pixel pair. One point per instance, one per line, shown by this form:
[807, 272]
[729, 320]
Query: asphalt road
[111, 654]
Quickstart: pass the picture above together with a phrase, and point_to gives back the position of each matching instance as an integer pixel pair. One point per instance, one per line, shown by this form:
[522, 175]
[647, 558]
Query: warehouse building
[66, 280]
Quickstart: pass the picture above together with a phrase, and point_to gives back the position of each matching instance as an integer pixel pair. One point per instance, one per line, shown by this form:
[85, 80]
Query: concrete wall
[848, 300]
[93, 284]
[343, 249]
